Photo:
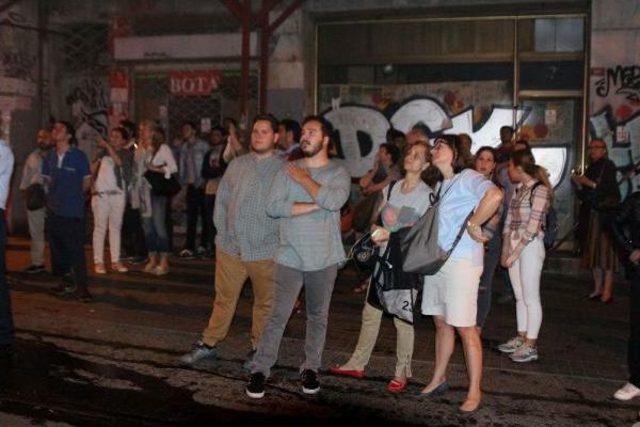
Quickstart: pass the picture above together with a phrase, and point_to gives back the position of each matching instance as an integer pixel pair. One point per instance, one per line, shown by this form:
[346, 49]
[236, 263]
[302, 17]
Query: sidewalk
[115, 359]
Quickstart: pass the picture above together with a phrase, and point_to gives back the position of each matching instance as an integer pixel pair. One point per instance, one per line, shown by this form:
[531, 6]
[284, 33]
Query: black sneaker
[35, 269]
[64, 289]
[310, 384]
[255, 388]
[137, 260]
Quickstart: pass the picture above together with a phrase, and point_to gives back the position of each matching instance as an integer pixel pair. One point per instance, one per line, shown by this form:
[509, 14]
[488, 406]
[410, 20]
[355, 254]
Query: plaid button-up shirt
[527, 211]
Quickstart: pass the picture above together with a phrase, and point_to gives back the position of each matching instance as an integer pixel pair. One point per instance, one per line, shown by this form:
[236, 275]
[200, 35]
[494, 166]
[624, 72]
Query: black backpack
[551, 221]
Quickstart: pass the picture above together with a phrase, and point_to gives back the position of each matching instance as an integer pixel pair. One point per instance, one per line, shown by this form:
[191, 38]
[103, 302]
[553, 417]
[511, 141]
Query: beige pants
[231, 273]
[35, 219]
[371, 318]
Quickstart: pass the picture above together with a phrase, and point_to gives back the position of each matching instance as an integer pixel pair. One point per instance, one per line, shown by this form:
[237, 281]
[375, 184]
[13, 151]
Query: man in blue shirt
[6, 319]
[66, 170]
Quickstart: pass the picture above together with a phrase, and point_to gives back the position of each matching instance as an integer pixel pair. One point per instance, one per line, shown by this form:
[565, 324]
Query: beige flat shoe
[119, 267]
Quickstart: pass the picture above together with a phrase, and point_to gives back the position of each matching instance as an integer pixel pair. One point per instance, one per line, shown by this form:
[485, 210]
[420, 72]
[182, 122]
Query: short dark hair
[220, 129]
[266, 118]
[191, 124]
[327, 129]
[70, 130]
[130, 127]
[122, 131]
[394, 133]
[422, 129]
[509, 128]
[292, 126]
[393, 151]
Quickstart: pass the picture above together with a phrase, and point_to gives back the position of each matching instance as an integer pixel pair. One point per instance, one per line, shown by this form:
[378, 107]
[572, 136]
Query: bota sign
[193, 83]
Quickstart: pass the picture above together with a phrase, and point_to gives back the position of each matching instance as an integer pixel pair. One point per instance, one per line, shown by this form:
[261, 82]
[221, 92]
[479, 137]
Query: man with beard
[32, 187]
[246, 238]
[306, 196]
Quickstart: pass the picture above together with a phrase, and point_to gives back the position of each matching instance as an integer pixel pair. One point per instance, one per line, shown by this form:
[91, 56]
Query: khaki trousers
[35, 220]
[371, 318]
[231, 273]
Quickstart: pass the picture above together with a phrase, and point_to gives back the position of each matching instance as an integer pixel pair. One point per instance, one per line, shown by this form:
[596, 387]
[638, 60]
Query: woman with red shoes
[404, 202]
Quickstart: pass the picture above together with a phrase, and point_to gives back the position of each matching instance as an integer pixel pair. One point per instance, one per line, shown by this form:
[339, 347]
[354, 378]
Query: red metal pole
[265, 34]
[246, 34]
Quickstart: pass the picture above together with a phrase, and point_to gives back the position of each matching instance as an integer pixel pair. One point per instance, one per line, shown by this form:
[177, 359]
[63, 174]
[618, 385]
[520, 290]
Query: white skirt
[452, 293]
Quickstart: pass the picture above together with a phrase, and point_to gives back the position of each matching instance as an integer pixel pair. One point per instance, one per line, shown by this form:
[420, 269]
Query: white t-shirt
[106, 179]
[403, 210]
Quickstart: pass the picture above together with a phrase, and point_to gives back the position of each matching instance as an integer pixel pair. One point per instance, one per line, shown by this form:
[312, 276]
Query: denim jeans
[133, 243]
[318, 287]
[155, 228]
[485, 290]
[208, 229]
[6, 318]
[195, 211]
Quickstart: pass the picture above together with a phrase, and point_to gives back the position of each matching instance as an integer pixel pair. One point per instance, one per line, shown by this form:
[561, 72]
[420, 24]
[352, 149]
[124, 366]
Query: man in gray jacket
[306, 197]
[246, 240]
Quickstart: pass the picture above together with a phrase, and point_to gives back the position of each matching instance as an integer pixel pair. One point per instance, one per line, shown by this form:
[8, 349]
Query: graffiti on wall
[621, 80]
[616, 118]
[622, 139]
[361, 129]
[88, 100]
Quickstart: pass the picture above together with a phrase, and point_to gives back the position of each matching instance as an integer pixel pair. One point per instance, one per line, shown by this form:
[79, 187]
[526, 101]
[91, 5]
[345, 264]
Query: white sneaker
[524, 354]
[512, 345]
[627, 392]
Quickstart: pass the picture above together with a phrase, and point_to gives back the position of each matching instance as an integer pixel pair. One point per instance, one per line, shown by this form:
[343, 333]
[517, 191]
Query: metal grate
[85, 47]
[154, 101]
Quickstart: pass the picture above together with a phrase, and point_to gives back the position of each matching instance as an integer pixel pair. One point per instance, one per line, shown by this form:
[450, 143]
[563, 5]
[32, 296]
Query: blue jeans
[6, 318]
[155, 228]
[491, 259]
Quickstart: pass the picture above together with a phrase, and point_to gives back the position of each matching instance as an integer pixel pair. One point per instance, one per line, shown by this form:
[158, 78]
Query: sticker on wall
[205, 124]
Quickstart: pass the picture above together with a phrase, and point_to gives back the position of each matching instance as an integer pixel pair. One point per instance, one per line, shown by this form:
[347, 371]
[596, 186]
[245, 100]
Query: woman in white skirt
[451, 295]
[523, 251]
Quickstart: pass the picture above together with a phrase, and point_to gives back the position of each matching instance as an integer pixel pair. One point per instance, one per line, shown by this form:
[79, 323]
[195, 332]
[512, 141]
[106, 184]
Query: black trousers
[132, 234]
[6, 318]
[208, 229]
[195, 211]
[634, 338]
[66, 242]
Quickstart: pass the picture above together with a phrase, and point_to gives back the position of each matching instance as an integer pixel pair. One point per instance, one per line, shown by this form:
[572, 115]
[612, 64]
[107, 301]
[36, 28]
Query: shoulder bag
[421, 252]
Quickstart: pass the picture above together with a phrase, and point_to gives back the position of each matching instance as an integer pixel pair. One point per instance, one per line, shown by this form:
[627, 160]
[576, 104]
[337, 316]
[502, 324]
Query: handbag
[421, 252]
[162, 186]
[364, 253]
[35, 197]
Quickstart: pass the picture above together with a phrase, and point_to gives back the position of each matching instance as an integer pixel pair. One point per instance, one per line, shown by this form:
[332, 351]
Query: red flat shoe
[396, 386]
[353, 373]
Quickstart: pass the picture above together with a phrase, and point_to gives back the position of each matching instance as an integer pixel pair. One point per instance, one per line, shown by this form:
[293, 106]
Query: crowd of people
[278, 208]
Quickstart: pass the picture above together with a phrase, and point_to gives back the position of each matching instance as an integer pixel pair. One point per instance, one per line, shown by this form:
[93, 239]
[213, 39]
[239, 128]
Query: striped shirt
[527, 212]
